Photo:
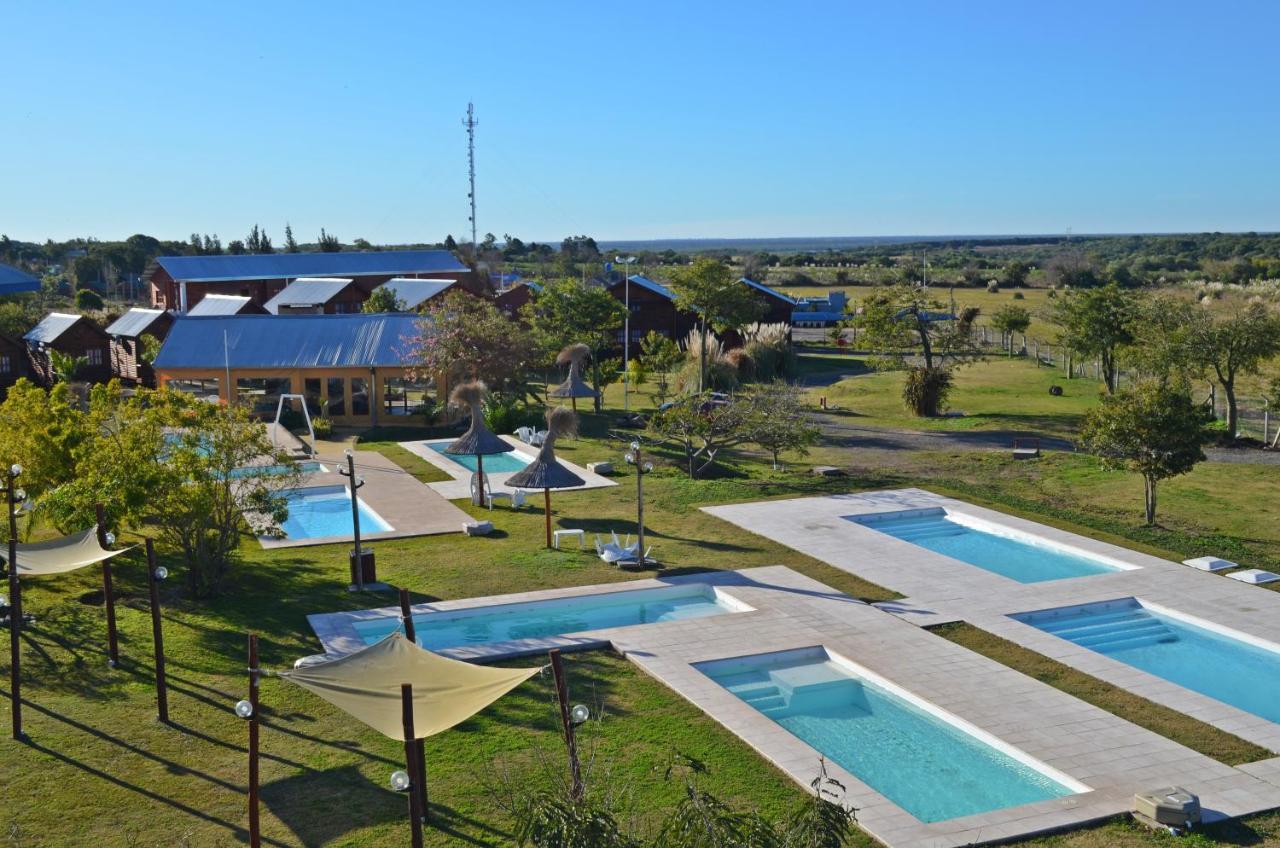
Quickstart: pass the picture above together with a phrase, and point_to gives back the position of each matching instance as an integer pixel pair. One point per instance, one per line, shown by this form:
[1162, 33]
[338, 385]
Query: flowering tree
[467, 337]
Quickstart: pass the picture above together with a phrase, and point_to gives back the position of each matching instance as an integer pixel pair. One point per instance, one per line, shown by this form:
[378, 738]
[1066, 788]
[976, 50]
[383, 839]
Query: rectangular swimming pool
[326, 511]
[1009, 553]
[560, 617]
[496, 463]
[931, 764]
[1220, 663]
[307, 467]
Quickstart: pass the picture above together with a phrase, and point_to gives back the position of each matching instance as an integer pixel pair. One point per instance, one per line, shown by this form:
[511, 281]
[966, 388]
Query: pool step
[1095, 619]
[1114, 631]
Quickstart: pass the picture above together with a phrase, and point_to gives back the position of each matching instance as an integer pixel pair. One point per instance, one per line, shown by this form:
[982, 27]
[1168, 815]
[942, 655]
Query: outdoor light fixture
[630, 458]
[635, 446]
[111, 539]
[579, 714]
[400, 781]
[648, 466]
[244, 709]
[19, 495]
[161, 573]
[15, 470]
[348, 454]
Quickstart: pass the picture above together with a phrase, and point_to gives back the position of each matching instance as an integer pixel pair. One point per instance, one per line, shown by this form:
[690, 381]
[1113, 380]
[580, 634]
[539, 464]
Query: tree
[461, 335]
[290, 243]
[1016, 273]
[1010, 319]
[1073, 269]
[1233, 344]
[702, 425]
[1097, 322]
[362, 244]
[383, 299]
[1153, 429]
[779, 421]
[567, 312]
[661, 355]
[708, 289]
[449, 243]
[328, 243]
[236, 247]
[88, 299]
[40, 431]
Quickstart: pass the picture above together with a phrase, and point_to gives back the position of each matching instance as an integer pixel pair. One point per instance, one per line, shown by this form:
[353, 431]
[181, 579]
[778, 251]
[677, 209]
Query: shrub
[505, 413]
[721, 376]
[1019, 296]
[322, 426]
[926, 390]
[741, 362]
[1053, 292]
[993, 286]
[638, 374]
[87, 299]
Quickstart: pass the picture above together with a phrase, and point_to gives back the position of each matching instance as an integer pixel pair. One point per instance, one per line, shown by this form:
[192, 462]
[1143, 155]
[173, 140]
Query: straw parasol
[575, 356]
[479, 441]
[546, 472]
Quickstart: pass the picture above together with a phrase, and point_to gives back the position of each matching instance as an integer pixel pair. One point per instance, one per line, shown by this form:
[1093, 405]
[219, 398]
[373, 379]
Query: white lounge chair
[609, 552]
[489, 493]
[524, 434]
[538, 437]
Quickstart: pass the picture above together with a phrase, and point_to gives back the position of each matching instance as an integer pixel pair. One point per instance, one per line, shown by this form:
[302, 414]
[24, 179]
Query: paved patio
[1111, 757]
[460, 486]
[940, 589]
[411, 508]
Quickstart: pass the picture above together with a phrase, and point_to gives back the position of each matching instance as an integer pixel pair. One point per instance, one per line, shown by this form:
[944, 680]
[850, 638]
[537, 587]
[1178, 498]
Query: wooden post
[420, 748]
[15, 630]
[566, 721]
[546, 512]
[255, 836]
[358, 566]
[108, 593]
[410, 756]
[157, 635]
[480, 479]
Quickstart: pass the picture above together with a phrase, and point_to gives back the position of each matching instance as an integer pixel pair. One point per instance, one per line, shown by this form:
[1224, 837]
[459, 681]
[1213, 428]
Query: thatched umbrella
[575, 356]
[479, 441]
[546, 472]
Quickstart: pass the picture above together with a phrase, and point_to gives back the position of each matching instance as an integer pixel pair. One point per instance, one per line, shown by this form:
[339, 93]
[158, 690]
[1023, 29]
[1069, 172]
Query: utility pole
[470, 123]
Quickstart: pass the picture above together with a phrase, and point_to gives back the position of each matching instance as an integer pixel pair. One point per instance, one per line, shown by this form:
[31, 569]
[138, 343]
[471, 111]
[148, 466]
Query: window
[336, 392]
[94, 355]
[206, 389]
[359, 396]
[6, 366]
[262, 394]
[311, 393]
[401, 396]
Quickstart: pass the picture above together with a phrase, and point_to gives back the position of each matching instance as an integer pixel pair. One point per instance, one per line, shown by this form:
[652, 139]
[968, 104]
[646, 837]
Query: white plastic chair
[524, 434]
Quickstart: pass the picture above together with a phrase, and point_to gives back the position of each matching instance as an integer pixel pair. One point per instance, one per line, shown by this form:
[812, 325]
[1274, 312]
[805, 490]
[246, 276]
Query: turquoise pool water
[926, 766]
[1025, 561]
[326, 511]
[1220, 666]
[495, 463]
[308, 467]
[540, 619]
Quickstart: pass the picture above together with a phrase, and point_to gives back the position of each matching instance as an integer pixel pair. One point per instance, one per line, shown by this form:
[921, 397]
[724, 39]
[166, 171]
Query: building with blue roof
[417, 294]
[179, 282]
[826, 311]
[354, 369]
[14, 281]
[318, 295]
[127, 334]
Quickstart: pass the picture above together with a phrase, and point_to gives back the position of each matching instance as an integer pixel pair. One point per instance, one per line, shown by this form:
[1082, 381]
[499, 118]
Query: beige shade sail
[446, 692]
[61, 555]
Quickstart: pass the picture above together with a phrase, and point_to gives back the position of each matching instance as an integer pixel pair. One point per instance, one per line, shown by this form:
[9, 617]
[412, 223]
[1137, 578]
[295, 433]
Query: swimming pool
[934, 766]
[494, 463]
[560, 617]
[308, 467]
[326, 511]
[1000, 550]
[1215, 661]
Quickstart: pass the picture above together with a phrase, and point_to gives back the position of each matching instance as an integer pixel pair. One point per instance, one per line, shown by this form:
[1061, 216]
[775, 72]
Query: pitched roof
[219, 304]
[52, 326]
[308, 291]
[413, 292]
[13, 281]
[273, 266]
[134, 323]
[645, 282]
[771, 292]
[289, 341]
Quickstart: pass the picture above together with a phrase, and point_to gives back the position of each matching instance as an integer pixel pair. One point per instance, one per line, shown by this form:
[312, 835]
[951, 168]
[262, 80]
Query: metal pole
[640, 558]
[157, 635]
[566, 721]
[480, 478]
[15, 629]
[108, 593]
[546, 513]
[626, 339]
[410, 756]
[358, 561]
[255, 837]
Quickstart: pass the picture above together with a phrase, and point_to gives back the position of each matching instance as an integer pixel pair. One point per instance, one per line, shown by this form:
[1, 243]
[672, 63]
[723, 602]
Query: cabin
[226, 304]
[178, 283]
[73, 335]
[512, 300]
[13, 281]
[13, 363]
[318, 296]
[352, 369]
[653, 308]
[128, 335]
[777, 307]
[417, 295]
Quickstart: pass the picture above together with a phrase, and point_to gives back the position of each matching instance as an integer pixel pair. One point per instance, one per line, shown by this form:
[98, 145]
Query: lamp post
[419, 745]
[357, 557]
[156, 574]
[14, 496]
[570, 718]
[248, 710]
[626, 263]
[106, 540]
[403, 781]
[636, 458]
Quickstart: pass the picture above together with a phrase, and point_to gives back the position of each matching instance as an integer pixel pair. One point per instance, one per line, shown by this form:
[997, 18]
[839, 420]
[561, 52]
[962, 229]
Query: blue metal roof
[51, 326]
[805, 315]
[270, 266]
[772, 292]
[219, 304]
[413, 293]
[645, 282]
[307, 292]
[290, 341]
[13, 281]
[134, 322]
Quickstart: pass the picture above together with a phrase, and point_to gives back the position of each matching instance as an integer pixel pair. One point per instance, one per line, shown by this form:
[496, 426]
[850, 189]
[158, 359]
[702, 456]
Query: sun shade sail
[446, 692]
[61, 555]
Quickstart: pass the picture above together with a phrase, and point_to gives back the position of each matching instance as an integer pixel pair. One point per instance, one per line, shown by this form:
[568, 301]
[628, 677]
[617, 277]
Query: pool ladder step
[764, 698]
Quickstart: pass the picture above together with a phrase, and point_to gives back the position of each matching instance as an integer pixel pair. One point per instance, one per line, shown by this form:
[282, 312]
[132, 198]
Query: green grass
[1193, 734]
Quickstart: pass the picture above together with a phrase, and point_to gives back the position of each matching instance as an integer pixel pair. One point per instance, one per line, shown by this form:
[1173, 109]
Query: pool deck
[1112, 757]
[940, 589]
[460, 486]
[411, 508]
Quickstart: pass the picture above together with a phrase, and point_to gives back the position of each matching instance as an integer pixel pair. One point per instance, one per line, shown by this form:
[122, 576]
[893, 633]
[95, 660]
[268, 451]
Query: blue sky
[646, 120]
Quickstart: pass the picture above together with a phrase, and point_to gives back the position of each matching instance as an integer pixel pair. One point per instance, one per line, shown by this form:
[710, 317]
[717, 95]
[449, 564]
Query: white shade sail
[446, 692]
[60, 555]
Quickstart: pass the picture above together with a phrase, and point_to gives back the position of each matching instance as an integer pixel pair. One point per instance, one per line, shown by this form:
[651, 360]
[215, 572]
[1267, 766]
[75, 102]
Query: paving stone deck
[460, 486]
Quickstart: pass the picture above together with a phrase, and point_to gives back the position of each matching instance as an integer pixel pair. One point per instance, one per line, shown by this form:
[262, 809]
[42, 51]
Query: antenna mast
[470, 123]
